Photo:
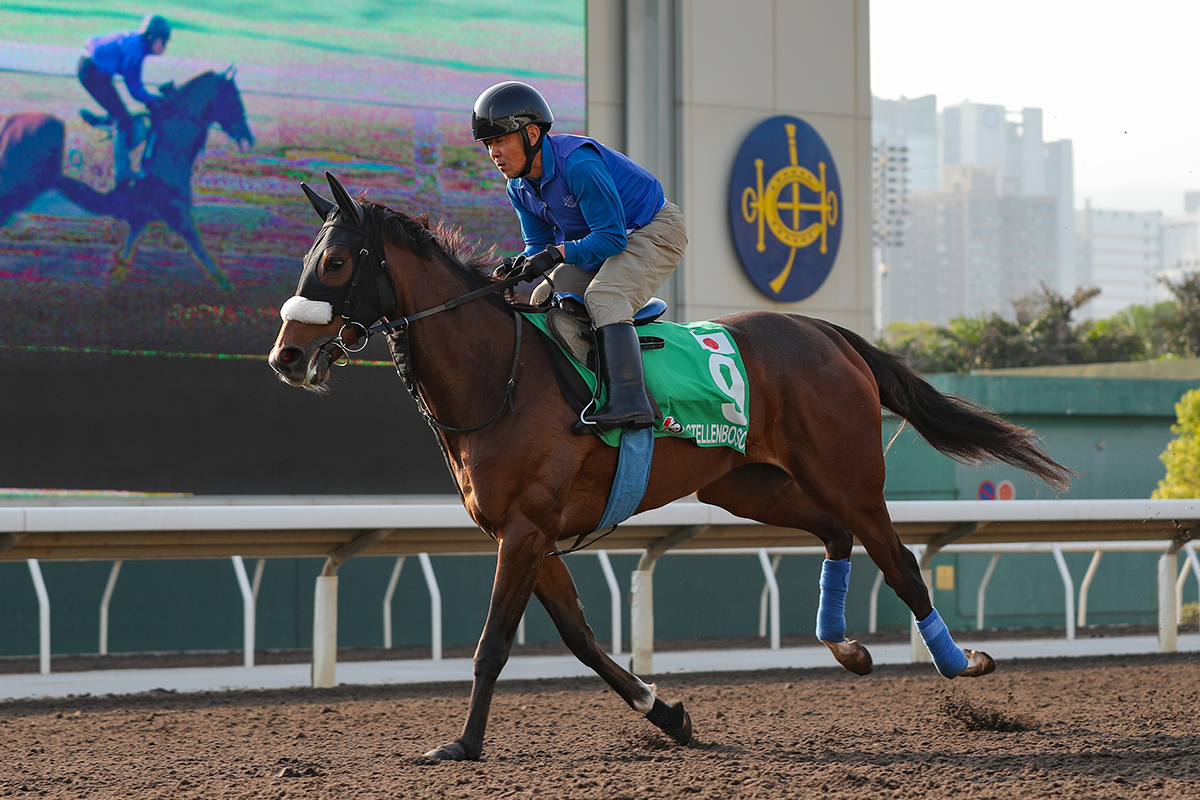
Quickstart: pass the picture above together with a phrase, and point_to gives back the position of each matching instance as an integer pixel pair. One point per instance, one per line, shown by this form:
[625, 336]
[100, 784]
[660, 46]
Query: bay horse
[813, 456]
[31, 150]
[31, 147]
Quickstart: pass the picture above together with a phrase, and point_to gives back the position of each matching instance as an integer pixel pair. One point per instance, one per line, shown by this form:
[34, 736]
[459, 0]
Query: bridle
[398, 344]
[370, 296]
[397, 333]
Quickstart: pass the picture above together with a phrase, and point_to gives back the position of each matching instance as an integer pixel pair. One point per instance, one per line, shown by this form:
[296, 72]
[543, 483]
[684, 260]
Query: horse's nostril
[289, 354]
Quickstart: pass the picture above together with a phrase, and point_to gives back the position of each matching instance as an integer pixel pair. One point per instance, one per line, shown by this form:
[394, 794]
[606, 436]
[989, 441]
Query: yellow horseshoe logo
[763, 205]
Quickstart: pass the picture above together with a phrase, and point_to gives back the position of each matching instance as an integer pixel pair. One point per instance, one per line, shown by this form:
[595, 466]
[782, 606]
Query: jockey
[595, 222]
[122, 54]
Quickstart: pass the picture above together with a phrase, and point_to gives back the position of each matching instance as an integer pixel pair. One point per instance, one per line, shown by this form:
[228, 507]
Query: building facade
[678, 88]
[997, 225]
[1121, 253]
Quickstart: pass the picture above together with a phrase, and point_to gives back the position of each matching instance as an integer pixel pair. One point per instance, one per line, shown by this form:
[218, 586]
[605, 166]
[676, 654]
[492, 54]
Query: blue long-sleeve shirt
[588, 199]
[122, 54]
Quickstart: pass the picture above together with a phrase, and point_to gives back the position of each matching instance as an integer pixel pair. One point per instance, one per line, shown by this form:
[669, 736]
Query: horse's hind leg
[874, 528]
[769, 495]
[178, 217]
[556, 591]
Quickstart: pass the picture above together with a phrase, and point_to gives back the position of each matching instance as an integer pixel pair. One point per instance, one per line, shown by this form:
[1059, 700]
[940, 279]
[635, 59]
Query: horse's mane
[180, 96]
[446, 241]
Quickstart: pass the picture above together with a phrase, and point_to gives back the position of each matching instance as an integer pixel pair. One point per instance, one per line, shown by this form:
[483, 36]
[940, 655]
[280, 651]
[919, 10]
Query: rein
[398, 345]
[396, 333]
[387, 327]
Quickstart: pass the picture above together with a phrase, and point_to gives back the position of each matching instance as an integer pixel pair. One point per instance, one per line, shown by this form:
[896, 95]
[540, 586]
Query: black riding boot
[621, 370]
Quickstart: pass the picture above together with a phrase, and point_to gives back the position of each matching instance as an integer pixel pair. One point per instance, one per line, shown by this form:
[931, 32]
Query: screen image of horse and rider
[196, 252]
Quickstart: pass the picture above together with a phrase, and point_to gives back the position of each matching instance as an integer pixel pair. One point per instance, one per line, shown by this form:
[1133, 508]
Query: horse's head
[344, 289]
[228, 112]
[213, 97]
[347, 286]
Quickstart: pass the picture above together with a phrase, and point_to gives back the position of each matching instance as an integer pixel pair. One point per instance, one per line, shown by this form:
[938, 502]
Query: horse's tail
[106, 204]
[954, 426]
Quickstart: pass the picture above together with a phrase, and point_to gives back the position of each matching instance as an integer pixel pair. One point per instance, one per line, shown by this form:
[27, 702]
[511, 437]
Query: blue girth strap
[629, 485]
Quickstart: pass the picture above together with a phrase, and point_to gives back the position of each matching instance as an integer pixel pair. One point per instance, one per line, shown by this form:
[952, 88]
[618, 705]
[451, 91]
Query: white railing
[1161, 526]
[769, 614]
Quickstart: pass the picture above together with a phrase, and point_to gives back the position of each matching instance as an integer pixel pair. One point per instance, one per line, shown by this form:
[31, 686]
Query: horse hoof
[978, 663]
[672, 720]
[454, 751]
[117, 274]
[222, 280]
[851, 655]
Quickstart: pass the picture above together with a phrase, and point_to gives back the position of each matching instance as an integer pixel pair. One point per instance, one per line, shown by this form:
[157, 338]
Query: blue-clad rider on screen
[122, 53]
[594, 223]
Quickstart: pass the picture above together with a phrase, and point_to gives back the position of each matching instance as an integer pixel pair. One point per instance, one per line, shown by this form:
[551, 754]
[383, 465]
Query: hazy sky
[1118, 79]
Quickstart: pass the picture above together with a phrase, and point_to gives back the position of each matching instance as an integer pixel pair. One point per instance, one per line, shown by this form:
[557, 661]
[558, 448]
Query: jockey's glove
[509, 266]
[539, 264]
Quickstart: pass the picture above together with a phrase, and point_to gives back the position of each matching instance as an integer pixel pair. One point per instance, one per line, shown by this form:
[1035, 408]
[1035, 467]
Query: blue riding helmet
[155, 27]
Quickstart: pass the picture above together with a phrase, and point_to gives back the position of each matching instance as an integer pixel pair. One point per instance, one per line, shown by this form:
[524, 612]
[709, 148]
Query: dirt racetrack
[1111, 727]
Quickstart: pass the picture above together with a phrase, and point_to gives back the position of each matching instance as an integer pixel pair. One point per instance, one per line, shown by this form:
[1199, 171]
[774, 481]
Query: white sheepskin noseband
[301, 309]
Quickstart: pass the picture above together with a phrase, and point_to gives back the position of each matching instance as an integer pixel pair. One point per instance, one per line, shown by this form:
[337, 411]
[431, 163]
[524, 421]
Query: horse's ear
[319, 204]
[350, 209]
[229, 73]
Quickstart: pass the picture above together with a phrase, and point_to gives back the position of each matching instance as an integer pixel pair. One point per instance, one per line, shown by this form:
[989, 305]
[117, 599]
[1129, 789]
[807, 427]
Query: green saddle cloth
[697, 378]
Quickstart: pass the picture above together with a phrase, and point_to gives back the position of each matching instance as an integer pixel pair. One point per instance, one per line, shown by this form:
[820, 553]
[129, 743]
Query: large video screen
[196, 248]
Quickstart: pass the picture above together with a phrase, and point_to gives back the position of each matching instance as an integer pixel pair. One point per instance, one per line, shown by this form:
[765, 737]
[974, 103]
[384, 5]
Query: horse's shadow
[31, 147]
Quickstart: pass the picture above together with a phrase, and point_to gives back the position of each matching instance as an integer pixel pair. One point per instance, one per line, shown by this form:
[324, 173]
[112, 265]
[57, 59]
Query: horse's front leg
[556, 591]
[520, 556]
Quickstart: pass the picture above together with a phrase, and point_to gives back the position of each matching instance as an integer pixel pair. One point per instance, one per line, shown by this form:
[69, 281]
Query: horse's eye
[333, 269]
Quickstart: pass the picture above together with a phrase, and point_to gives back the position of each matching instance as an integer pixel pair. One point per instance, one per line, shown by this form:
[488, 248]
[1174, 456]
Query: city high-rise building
[997, 224]
[970, 250]
[1121, 253]
[913, 125]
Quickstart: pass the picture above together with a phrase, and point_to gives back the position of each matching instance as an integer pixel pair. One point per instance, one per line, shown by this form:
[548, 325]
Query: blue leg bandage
[947, 656]
[831, 612]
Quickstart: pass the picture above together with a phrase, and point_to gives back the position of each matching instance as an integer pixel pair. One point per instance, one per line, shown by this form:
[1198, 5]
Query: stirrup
[95, 120]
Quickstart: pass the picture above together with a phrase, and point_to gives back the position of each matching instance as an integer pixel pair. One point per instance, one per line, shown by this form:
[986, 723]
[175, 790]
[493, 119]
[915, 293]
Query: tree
[925, 345]
[1042, 334]
[1151, 325]
[1184, 326]
[1182, 455]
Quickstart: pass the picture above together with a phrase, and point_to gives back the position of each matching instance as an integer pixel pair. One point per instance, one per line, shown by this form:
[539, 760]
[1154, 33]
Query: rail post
[324, 654]
[641, 599]
[105, 600]
[39, 586]
[614, 597]
[982, 593]
[248, 611]
[1167, 612]
[387, 602]
[772, 589]
[435, 605]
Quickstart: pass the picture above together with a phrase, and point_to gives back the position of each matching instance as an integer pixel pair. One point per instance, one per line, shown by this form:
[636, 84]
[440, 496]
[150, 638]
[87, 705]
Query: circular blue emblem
[785, 208]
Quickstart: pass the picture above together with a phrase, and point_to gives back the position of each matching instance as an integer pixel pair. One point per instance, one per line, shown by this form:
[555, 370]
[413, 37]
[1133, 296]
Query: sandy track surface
[1114, 727]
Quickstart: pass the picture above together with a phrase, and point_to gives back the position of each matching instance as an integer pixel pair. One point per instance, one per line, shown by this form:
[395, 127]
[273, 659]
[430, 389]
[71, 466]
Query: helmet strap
[531, 150]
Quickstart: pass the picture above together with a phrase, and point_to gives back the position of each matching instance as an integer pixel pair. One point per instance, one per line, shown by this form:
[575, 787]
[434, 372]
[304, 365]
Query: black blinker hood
[369, 295]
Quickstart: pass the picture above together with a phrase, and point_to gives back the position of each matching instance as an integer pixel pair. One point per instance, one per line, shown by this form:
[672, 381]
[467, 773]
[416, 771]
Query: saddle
[142, 131]
[571, 326]
[141, 124]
